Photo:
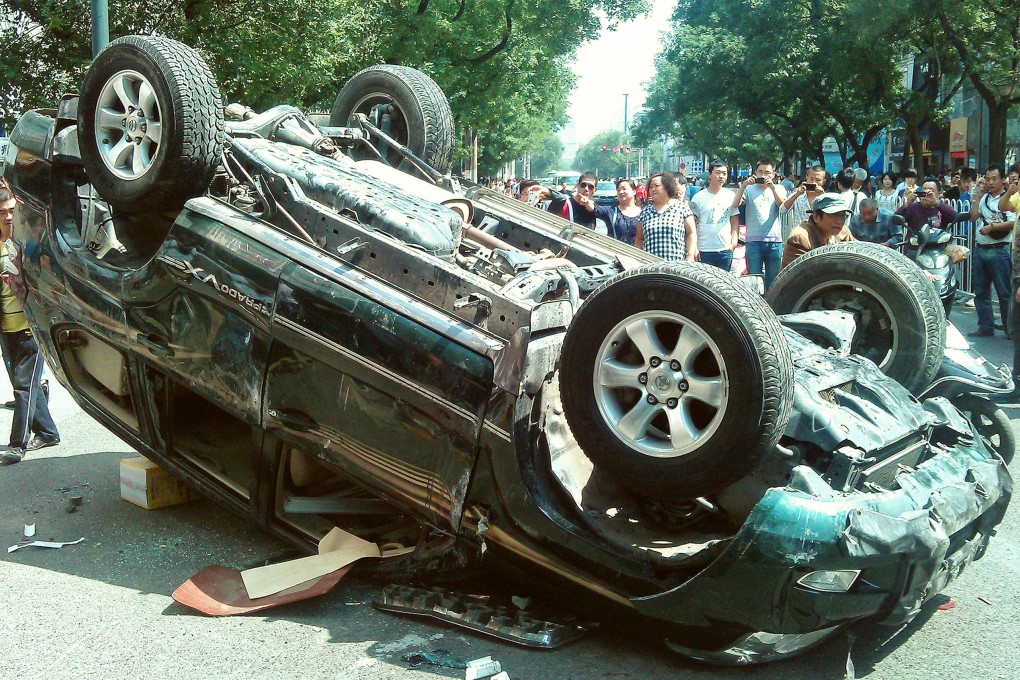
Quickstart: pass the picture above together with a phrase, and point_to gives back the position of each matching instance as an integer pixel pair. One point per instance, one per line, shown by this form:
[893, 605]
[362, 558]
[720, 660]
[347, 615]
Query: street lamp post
[100, 26]
[625, 113]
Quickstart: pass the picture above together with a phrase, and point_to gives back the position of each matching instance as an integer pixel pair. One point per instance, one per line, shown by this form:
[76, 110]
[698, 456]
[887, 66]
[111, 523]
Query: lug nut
[683, 385]
[675, 365]
[655, 361]
[672, 402]
[652, 399]
[643, 378]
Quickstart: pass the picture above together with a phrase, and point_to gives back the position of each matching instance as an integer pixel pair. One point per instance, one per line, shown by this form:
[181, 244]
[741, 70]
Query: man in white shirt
[718, 221]
[762, 197]
[990, 262]
[845, 181]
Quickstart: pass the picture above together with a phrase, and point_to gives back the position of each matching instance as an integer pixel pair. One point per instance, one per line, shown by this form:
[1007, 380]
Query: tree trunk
[997, 132]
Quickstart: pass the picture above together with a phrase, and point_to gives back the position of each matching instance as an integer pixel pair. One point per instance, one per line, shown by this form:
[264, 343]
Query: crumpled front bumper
[907, 544]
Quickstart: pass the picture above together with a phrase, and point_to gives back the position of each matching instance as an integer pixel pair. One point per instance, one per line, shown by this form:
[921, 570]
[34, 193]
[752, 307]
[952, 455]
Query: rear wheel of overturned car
[900, 323]
[405, 104]
[990, 421]
[676, 379]
[150, 124]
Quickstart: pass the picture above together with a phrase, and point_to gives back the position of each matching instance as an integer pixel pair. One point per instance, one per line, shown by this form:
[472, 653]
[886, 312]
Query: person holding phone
[762, 198]
[578, 207]
[801, 200]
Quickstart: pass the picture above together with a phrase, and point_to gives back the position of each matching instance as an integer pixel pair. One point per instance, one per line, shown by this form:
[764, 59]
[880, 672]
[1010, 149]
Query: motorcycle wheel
[990, 421]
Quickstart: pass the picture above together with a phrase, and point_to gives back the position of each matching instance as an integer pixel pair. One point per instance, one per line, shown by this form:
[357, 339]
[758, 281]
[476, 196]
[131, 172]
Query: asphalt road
[102, 609]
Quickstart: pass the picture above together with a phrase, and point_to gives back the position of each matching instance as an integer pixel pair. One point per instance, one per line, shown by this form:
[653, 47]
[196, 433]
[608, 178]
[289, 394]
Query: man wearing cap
[825, 224]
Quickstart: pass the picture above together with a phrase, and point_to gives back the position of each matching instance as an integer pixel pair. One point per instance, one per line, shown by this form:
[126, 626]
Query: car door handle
[156, 345]
[294, 419]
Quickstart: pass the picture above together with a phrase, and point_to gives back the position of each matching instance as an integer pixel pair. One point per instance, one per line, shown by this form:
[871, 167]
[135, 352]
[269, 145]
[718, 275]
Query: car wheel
[990, 421]
[900, 323]
[420, 116]
[676, 379]
[150, 124]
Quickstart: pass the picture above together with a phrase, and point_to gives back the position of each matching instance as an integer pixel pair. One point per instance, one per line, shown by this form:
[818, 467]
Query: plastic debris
[220, 591]
[435, 657]
[44, 544]
[947, 605]
[521, 602]
[478, 669]
[985, 600]
[29, 531]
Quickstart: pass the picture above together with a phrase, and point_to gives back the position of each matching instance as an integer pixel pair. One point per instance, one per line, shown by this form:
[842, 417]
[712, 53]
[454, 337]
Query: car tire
[716, 338]
[900, 322]
[421, 120]
[990, 421]
[162, 93]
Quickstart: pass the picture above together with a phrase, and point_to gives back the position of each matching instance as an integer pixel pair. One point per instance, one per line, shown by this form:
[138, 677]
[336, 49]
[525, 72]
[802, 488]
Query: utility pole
[625, 113]
[100, 26]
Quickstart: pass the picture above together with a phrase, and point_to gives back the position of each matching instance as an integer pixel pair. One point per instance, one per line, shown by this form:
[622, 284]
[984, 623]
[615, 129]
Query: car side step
[461, 610]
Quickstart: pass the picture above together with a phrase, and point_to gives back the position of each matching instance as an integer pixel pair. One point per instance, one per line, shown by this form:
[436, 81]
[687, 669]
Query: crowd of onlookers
[760, 222]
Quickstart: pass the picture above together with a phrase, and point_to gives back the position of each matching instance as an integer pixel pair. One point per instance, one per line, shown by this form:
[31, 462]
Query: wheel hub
[664, 383]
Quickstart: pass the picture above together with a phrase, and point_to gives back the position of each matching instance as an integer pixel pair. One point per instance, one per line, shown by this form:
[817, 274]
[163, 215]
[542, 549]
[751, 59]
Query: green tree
[502, 63]
[985, 35]
[607, 164]
[548, 156]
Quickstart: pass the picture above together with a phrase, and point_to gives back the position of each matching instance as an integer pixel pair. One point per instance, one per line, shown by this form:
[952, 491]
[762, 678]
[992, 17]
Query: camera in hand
[759, 180]
[810, 186]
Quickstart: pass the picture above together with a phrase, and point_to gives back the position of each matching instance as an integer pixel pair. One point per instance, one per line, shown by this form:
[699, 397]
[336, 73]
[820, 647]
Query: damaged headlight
[836, 581]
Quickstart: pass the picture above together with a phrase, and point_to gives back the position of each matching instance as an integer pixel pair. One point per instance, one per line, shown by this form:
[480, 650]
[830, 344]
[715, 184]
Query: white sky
[618, 62]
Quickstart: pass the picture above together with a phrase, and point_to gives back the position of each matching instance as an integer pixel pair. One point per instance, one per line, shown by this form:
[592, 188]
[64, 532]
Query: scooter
[928, 248]
[967, 379]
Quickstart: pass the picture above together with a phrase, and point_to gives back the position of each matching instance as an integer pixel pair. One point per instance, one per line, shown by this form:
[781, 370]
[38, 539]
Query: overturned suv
[317, 326]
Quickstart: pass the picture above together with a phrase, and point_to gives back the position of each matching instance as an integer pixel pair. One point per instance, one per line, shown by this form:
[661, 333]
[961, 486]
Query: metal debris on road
[985, 600]
[43, 544]
[458, 609]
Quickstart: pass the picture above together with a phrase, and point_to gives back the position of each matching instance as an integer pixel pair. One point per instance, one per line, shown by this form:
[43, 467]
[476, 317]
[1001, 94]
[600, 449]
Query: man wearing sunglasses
[579, 207]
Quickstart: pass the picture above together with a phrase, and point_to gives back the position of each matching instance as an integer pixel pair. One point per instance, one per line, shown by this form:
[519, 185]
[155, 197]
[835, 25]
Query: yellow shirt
[14, 318]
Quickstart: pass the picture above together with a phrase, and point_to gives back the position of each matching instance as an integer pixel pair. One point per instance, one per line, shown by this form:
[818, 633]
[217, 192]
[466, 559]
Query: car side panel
[376, 393]
[211, 329]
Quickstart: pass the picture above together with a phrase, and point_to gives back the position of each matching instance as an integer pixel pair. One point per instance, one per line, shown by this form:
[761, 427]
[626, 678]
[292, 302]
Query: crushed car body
[316, 328]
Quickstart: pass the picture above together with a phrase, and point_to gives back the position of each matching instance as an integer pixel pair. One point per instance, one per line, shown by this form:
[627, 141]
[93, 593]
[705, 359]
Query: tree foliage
[548, 156]
[606, 164]
[502, 63]
[797, 73]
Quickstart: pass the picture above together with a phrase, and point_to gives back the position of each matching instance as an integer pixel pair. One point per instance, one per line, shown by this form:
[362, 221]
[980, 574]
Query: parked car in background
[320, 327]
[605, 193]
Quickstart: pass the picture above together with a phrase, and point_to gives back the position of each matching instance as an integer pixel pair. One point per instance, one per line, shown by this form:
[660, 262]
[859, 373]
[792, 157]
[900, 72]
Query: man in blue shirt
[876, 225]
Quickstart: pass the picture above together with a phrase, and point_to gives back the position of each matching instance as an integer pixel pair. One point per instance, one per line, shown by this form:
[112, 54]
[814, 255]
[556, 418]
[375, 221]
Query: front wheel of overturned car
[676, 379]
[900, 323]
[405, 104]
[990, 421]
[150, 124]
